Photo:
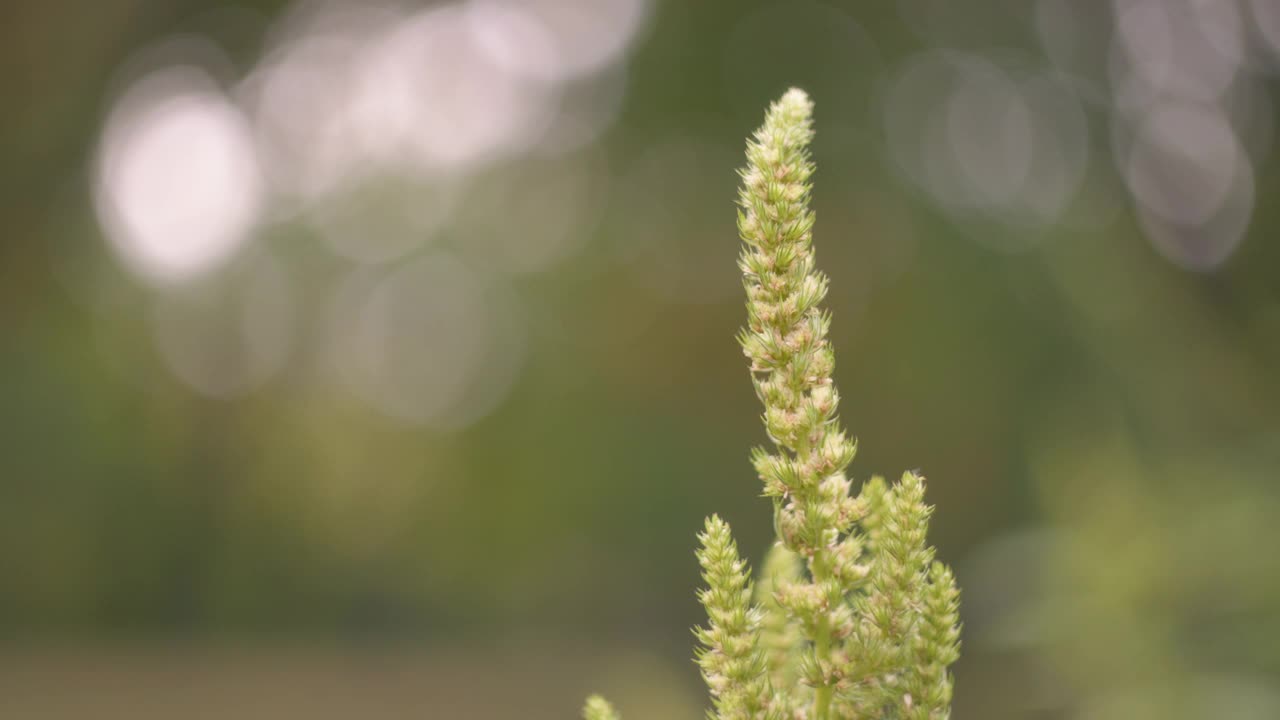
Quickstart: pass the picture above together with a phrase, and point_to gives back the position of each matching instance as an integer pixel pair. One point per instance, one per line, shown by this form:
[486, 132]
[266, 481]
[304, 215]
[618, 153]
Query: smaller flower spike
[731, 658]
[779, 635]
[936, 646]
[597, 708]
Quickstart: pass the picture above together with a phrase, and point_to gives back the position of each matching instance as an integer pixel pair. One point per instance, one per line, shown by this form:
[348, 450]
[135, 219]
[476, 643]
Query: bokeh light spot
[1193, 184]
[228, 334]
[432, 343]
[177, 187]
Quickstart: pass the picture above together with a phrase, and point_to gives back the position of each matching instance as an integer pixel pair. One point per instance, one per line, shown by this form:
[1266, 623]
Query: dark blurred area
[377, 359]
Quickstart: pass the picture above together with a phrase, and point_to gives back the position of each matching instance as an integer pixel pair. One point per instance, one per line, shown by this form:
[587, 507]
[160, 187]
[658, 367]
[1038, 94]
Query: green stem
[822, 644]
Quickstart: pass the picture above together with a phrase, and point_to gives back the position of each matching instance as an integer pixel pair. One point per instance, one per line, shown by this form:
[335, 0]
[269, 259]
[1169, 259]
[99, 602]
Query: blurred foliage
[1099, 420]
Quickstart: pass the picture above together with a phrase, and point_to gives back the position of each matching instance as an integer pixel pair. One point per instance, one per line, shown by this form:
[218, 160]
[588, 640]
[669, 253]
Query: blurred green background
[376, 359]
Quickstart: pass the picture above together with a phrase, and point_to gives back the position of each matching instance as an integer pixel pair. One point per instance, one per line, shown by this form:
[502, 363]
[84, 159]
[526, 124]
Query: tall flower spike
[731, 660]
[791, 365]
